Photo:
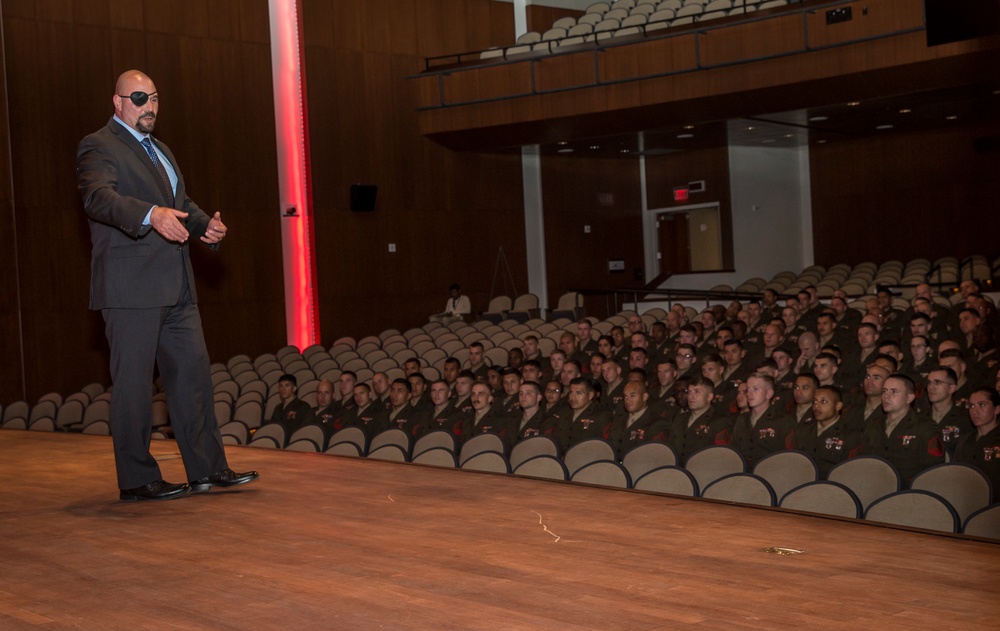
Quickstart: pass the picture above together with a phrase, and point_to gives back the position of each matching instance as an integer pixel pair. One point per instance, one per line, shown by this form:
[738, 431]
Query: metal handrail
[600, 46]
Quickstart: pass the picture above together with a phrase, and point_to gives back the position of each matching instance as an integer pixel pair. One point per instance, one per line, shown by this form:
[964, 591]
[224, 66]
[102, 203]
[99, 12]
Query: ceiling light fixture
[816, 119]
[884, 127]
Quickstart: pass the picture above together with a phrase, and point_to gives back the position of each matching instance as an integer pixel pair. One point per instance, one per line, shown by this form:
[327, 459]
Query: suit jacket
[119, 184]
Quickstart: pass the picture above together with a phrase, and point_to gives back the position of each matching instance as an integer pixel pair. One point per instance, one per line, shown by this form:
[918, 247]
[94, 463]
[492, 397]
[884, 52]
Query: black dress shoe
[155, 490]
[226, 477]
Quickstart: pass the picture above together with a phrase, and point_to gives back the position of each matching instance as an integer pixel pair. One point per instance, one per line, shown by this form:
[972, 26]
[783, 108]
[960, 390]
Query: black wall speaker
[956, 20]
[363, 197]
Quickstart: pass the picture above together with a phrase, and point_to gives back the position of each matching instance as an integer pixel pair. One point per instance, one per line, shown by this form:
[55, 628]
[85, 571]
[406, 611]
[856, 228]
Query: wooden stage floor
[322, 542]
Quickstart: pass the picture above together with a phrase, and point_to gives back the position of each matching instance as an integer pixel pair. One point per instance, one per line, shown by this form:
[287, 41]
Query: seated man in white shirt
[455, 310]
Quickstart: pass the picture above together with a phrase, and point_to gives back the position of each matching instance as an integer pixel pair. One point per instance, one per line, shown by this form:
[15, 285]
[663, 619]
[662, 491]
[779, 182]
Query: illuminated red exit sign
[680, 194]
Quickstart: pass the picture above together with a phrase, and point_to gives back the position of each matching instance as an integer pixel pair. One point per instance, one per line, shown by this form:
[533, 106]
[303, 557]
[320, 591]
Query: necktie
[159, 168]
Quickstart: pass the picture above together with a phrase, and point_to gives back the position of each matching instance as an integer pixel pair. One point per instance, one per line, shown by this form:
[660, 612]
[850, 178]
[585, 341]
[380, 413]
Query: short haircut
[290, 379]
[767, 362]
[641, 372]
[533, 384]
[691, 348]
[810, 376]
[533, 338]
[531, 362]
[573, 362]
[478, 345]
[350, 373]
[586, 382]
[868, 325]
[364, 386]
[838, 395]
[689, 328]
[557, 352]
[921, 337]
[766, 378]
[418, 376]
[437, 381]
[511, 371]
[952, 352]
[454, 287]
[890, 359]
[733, 342]
[703, 382]
[920, 316]
[403, 382]
[668, 360]
[606, 338]
[713, 358]
[972, 311]
[658, 325]
[467, 374]
[640, 350]
[911, 388]
[830, 356]
[452, 361]
[413, 360]
[949, 373]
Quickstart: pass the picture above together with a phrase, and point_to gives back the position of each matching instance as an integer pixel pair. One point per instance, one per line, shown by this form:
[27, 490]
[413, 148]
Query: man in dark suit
[141, 279]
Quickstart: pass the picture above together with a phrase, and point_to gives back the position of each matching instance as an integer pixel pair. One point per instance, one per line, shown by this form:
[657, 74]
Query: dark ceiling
[971, 105]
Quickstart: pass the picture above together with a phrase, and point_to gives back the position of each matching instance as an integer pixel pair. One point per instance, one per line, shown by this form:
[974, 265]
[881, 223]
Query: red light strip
[295, 190]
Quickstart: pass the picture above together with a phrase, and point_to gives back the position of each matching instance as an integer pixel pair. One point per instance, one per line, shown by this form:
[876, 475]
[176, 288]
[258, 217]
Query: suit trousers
[170, 338]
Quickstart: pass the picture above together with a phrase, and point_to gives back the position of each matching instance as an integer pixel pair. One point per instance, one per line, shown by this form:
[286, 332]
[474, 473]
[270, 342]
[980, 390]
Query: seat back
[273, 431]
[824, 497]
[984, 523]
[389, 451]
[311, 432]
[603, 473]
[587, 451]
[670, 479]
[786, 470]
[439, 439]
[531, 447]
[643, 458]
[303, 444]
[392, 436]
[436, 457]
[491, 461]
[344, 449]
[542, 466]
[917, 509]
[869, 477]
[961, 485]
[745, 488]
[479, 444]
[716, 461]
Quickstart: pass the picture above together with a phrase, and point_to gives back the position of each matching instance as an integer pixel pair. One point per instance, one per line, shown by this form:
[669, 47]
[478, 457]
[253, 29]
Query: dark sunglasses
[138, 98]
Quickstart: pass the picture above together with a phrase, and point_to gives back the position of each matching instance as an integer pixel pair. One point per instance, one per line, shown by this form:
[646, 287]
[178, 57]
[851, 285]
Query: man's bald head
[140, 117]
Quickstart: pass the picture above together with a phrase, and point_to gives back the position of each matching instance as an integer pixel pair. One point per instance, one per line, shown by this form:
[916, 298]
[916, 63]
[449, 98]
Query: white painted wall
[772, 216]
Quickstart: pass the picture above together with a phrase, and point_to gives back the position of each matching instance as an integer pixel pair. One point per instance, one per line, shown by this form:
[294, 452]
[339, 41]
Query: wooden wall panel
[602, 194]
[448, 214]
[211, 63]
[11, 355]
[907, 195]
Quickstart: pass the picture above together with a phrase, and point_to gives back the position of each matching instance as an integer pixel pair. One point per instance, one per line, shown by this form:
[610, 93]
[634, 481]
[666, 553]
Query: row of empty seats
[950, 497]
[603, 21]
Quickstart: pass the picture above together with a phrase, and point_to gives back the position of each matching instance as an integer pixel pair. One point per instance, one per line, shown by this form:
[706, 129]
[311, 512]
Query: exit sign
[680, 194]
